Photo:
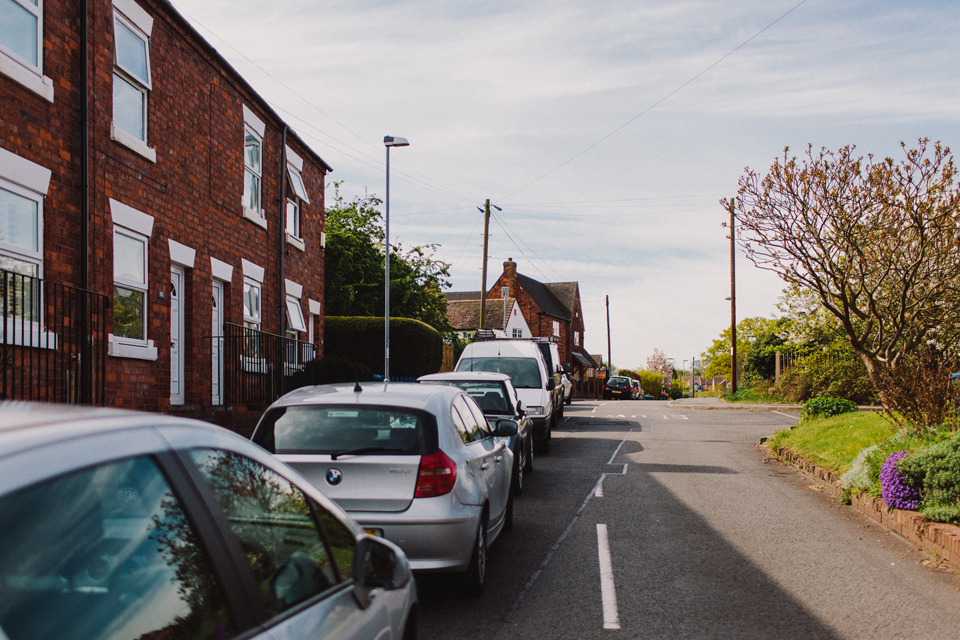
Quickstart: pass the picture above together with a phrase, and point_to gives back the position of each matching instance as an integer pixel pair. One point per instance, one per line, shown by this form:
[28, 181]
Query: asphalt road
[705, 538]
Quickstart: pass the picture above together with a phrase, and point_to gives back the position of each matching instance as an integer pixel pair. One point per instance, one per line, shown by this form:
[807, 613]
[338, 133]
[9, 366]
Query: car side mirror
[551, 385]
[378, 564]
[506, 428]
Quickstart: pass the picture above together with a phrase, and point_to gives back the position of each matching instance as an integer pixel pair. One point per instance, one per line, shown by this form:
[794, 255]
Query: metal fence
[259, 367]
[53, 341]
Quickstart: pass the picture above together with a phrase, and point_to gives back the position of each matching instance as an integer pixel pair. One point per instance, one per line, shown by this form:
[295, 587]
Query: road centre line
[556, 545]
[608, 591]
[786, 415]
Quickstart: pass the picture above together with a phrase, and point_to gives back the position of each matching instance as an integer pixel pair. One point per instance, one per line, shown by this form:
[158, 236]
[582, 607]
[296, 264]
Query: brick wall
[193, 191]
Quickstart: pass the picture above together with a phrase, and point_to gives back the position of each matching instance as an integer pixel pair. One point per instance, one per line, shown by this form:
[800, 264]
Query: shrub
[858, 476]
[826, 406]
[935, 469]
[332, 370]
[896, 490]
[942, 513]
[416, 348]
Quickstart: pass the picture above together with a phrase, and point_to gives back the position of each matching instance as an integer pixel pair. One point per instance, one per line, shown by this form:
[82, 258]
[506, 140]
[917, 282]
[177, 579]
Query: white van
[524, 363]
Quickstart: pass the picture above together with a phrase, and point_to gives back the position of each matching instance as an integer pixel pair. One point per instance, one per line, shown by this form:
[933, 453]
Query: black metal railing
[53, 341]
[259, 367]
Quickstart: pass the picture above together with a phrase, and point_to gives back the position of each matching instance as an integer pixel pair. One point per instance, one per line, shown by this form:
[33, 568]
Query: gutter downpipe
[86, 391]
[282, 228]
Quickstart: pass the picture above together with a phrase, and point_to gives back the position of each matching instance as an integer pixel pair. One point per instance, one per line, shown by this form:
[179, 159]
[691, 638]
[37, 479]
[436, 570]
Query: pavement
[716, 404]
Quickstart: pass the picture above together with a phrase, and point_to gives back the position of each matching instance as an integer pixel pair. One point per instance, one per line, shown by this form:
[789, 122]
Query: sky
[607, 131]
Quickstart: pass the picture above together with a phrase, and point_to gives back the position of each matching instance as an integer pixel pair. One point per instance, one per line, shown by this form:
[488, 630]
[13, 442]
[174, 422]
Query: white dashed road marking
[608, 591]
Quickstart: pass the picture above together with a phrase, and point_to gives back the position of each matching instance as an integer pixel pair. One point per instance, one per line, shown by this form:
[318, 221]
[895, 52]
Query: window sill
[133, 143]
[255, 218]
[40, 85]
[294, 241]
[124, 348]
[253, 365]
[24, 333]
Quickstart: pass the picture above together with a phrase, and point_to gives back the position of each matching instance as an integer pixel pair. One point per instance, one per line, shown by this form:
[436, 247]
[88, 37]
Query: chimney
[510, 269]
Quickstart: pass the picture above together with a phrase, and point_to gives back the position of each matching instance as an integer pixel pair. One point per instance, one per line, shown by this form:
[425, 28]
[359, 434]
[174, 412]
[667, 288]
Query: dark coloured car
[619, 387]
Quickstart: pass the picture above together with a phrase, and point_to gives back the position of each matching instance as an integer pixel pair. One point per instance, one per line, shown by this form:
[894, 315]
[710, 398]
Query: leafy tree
[876, 241]
[716, 359]
[354, 268]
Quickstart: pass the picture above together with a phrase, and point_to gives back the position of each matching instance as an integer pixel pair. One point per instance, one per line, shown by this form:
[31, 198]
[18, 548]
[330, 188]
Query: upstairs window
[21, 45]
[252, 170]
[131, 78]
[296, 198]
[21, 31]
[556, 328]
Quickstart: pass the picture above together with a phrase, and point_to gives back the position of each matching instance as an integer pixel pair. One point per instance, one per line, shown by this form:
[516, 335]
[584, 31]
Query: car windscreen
[524, 372]
[337, 430]
[491, 396]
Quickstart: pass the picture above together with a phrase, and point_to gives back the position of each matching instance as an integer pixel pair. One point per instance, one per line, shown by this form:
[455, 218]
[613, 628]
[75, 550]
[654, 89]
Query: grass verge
[833, 443]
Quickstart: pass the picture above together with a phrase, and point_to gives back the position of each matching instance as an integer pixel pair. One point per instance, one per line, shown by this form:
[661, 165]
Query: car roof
[389, 394]
[477, 376]
[25, 425]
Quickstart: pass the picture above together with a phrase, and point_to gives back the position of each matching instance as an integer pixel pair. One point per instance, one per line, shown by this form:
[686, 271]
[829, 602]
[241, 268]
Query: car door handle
[499, 459]
[484, 466]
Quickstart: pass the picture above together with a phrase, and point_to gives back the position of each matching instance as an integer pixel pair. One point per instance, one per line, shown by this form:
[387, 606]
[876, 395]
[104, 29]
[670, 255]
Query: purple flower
[896, 491]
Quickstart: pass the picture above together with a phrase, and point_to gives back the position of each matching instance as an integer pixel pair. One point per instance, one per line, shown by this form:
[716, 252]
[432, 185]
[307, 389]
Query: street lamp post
[683, 376]
[388, 141]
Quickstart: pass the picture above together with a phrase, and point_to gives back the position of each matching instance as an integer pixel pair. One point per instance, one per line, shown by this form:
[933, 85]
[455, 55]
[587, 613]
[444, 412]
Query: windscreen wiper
[362, 450]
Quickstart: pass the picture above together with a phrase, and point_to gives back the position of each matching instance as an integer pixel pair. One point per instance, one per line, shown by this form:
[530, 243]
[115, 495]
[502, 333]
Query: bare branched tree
[876, 241]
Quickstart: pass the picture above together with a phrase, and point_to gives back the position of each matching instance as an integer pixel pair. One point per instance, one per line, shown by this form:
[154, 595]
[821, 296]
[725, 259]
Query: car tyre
[528, 467]
[477, 571]
[508, 517]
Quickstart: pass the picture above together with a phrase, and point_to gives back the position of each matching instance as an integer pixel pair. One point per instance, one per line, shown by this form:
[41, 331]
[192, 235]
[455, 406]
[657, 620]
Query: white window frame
[129, 16]
[21, 70]
[292, 227]
[254, 321]
[31, 182]
[517, 333]
[137, 225]
[255, 127]
[576, 338]
[556, 328]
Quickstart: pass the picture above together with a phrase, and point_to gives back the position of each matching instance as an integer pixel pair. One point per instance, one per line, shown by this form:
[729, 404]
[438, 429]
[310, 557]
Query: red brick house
[550, 310]
[161, 227]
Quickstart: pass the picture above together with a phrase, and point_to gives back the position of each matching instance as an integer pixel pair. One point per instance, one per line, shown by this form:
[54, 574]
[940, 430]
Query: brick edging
[936, 538]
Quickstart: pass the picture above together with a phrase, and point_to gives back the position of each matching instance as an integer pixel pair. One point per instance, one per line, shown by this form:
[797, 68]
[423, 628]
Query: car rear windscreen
[524, 372]
[331, 429]
[489, 395]
[620, 382]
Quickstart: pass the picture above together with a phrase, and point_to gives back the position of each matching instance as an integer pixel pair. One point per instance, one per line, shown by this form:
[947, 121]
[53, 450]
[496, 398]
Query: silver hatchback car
[121, 525]
[416, 464]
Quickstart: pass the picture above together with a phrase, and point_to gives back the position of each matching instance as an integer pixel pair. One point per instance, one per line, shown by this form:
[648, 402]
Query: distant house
[539, 310]
[502, 316]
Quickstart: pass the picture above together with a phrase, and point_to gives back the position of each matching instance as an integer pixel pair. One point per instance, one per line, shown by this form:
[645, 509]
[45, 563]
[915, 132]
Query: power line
[655, 104]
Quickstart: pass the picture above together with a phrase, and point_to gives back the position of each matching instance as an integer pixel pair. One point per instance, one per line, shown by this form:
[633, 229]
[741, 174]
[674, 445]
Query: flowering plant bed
[938, 539]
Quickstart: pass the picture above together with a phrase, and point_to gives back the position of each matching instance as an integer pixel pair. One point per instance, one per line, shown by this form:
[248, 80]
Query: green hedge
[416, 348]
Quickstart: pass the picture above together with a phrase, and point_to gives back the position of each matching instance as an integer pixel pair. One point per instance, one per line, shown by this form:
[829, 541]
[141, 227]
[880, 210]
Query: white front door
[176, 335]
[216, 342]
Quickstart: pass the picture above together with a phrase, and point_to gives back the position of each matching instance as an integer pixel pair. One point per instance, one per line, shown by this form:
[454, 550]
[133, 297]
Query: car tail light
[437, 475]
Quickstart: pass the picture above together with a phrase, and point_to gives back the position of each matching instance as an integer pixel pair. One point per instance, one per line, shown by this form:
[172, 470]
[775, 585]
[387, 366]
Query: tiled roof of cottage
[456, 296]
[544, 297]
[565, 292]
[464, 315]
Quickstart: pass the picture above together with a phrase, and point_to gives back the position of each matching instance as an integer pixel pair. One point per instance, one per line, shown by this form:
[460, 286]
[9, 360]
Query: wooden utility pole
[483, 285]
[733, 305]
[609, 372]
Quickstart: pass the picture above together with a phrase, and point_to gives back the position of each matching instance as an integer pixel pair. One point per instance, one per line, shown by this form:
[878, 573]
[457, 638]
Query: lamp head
[395, 141]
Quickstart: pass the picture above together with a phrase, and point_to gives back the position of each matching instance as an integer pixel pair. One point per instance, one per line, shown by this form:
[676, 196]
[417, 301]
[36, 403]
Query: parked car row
[624, 388]
[127, 525]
